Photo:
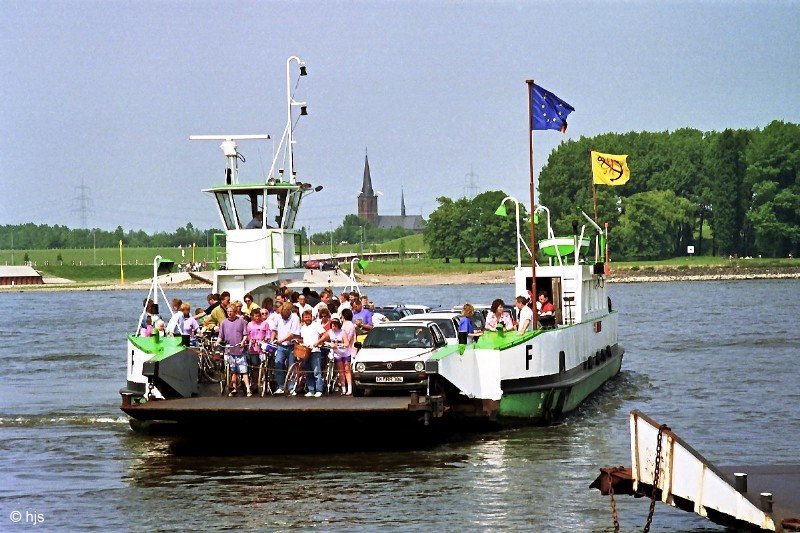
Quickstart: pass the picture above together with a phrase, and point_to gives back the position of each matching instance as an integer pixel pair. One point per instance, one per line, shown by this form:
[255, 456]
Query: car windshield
[399, 337]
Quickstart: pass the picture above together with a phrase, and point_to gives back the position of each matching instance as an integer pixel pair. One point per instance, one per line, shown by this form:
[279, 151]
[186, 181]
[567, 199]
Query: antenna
[231, 151]
[471, 189]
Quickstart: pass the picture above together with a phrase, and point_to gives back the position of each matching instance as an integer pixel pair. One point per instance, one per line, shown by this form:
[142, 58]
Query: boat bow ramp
[665, 468]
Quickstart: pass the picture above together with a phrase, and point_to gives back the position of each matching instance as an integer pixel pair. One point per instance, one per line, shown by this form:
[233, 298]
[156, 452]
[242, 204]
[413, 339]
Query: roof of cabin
[282, 185]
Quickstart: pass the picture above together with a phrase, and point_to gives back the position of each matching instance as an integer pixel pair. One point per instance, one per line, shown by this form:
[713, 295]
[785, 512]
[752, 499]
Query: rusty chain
[614, 515]
[656, 475]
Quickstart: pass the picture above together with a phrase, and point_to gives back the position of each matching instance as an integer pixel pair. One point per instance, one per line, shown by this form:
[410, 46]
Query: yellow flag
[610, 169]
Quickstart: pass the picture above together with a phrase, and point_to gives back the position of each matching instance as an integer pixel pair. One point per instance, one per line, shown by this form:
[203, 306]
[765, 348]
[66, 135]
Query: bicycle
[266, 369]
[225, 385]
[210, 364]
[296, 375]
[331, 372]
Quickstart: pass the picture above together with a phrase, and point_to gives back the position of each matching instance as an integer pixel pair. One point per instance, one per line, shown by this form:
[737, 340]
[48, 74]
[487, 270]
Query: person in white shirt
[324, 299]
[524, 314]
[286, 328]
[344, 301]
[313, 334]
[175, 322]
[302, 306]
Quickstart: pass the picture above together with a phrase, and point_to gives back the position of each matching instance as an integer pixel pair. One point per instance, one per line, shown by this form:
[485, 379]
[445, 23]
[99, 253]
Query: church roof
[412, 222]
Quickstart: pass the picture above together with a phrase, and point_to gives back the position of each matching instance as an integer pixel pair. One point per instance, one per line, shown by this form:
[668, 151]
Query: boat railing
[218, 250]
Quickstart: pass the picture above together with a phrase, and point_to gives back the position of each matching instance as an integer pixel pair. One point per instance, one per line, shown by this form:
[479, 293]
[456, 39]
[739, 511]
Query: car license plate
[388, 379]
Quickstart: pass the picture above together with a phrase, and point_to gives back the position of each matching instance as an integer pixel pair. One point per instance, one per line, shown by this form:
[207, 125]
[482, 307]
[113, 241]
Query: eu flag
[548, 111]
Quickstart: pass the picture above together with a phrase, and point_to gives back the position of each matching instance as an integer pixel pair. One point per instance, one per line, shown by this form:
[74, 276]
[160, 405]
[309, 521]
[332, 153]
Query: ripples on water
[721, 370]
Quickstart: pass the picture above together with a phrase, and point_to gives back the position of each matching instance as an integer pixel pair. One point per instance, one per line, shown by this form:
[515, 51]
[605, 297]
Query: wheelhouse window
[253, 209]
[226, 209]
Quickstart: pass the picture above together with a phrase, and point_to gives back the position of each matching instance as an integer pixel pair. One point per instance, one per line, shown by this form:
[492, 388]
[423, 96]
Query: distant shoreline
[500, 276]
[621, 275]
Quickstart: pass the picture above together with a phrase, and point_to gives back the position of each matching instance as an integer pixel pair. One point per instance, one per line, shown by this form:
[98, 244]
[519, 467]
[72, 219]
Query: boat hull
[548, 402]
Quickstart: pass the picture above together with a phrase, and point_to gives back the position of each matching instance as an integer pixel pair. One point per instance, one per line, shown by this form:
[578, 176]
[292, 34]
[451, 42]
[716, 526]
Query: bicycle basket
[301, 352]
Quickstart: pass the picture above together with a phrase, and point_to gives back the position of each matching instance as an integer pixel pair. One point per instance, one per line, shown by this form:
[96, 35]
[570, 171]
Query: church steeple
[366, 186]
[402, 203]
[367, 199]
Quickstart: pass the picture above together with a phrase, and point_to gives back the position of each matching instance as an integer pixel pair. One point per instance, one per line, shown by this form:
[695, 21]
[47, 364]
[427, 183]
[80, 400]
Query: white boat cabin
[578, 292]
[259, 223]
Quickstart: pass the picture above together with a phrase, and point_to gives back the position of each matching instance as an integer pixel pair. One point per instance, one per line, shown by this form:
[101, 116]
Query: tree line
[31, 236]
[464, 228]
[43, 237]
[738, 188]
[355, 230]
[742, 185]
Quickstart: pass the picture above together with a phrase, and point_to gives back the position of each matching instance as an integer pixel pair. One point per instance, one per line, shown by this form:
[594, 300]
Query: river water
[717, 361]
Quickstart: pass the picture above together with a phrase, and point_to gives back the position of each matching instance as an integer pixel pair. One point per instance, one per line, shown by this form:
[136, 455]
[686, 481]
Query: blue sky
[108, 93]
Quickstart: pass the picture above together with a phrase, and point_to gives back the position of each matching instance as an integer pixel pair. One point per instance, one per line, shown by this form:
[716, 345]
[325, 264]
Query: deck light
[290, 102]
[501, 212]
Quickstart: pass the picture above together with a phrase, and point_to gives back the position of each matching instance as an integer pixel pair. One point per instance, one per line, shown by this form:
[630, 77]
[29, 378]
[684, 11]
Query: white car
[393, 355]
[480, 309]
[415, 309]
[446, 320]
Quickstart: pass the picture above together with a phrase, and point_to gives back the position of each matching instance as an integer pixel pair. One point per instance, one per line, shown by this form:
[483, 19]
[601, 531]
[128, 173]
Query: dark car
[393, 313]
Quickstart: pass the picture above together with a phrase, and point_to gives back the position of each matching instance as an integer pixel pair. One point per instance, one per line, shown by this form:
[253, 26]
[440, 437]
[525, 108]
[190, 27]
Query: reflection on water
[721, 377]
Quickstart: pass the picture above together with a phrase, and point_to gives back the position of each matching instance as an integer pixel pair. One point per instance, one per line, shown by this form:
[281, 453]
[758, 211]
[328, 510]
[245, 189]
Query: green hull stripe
[530, 405]
[523, 405]
[160, 350]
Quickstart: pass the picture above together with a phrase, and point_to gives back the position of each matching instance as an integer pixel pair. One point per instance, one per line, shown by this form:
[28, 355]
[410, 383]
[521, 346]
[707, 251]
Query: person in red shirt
[544, 305]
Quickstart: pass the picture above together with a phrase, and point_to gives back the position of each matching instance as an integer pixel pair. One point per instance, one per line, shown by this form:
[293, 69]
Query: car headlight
[419, 366]
[360, 367]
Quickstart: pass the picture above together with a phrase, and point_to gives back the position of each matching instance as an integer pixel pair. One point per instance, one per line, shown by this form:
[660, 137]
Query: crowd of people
[324, 323]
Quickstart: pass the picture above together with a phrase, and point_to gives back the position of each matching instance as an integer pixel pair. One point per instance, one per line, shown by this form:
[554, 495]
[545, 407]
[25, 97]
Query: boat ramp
[665, 468]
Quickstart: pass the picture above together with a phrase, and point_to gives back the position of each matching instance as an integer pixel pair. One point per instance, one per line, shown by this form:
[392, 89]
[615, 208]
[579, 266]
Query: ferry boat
[541, 375]
[502, 378]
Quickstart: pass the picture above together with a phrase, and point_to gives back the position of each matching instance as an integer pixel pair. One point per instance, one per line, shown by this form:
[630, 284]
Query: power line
[82, 203]
[471, 189]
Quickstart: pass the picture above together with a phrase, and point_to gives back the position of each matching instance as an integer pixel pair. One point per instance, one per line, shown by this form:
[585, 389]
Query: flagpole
[534, 295]
[594, 188]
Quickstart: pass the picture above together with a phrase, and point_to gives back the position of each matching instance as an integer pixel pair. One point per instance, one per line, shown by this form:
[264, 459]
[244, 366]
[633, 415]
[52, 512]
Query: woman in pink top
[349, 334]
[257, 331]
[341, 353]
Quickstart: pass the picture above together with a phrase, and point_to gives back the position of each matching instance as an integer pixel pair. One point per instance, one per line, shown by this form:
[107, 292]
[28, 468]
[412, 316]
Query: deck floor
[783, 481]
[281, 403]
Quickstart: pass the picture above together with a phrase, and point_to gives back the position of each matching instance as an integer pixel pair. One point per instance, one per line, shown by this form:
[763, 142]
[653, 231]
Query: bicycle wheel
[225, 384]
[331, 378]
[292, 378]
[270, 379]
[211, 370]
[262, 379]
